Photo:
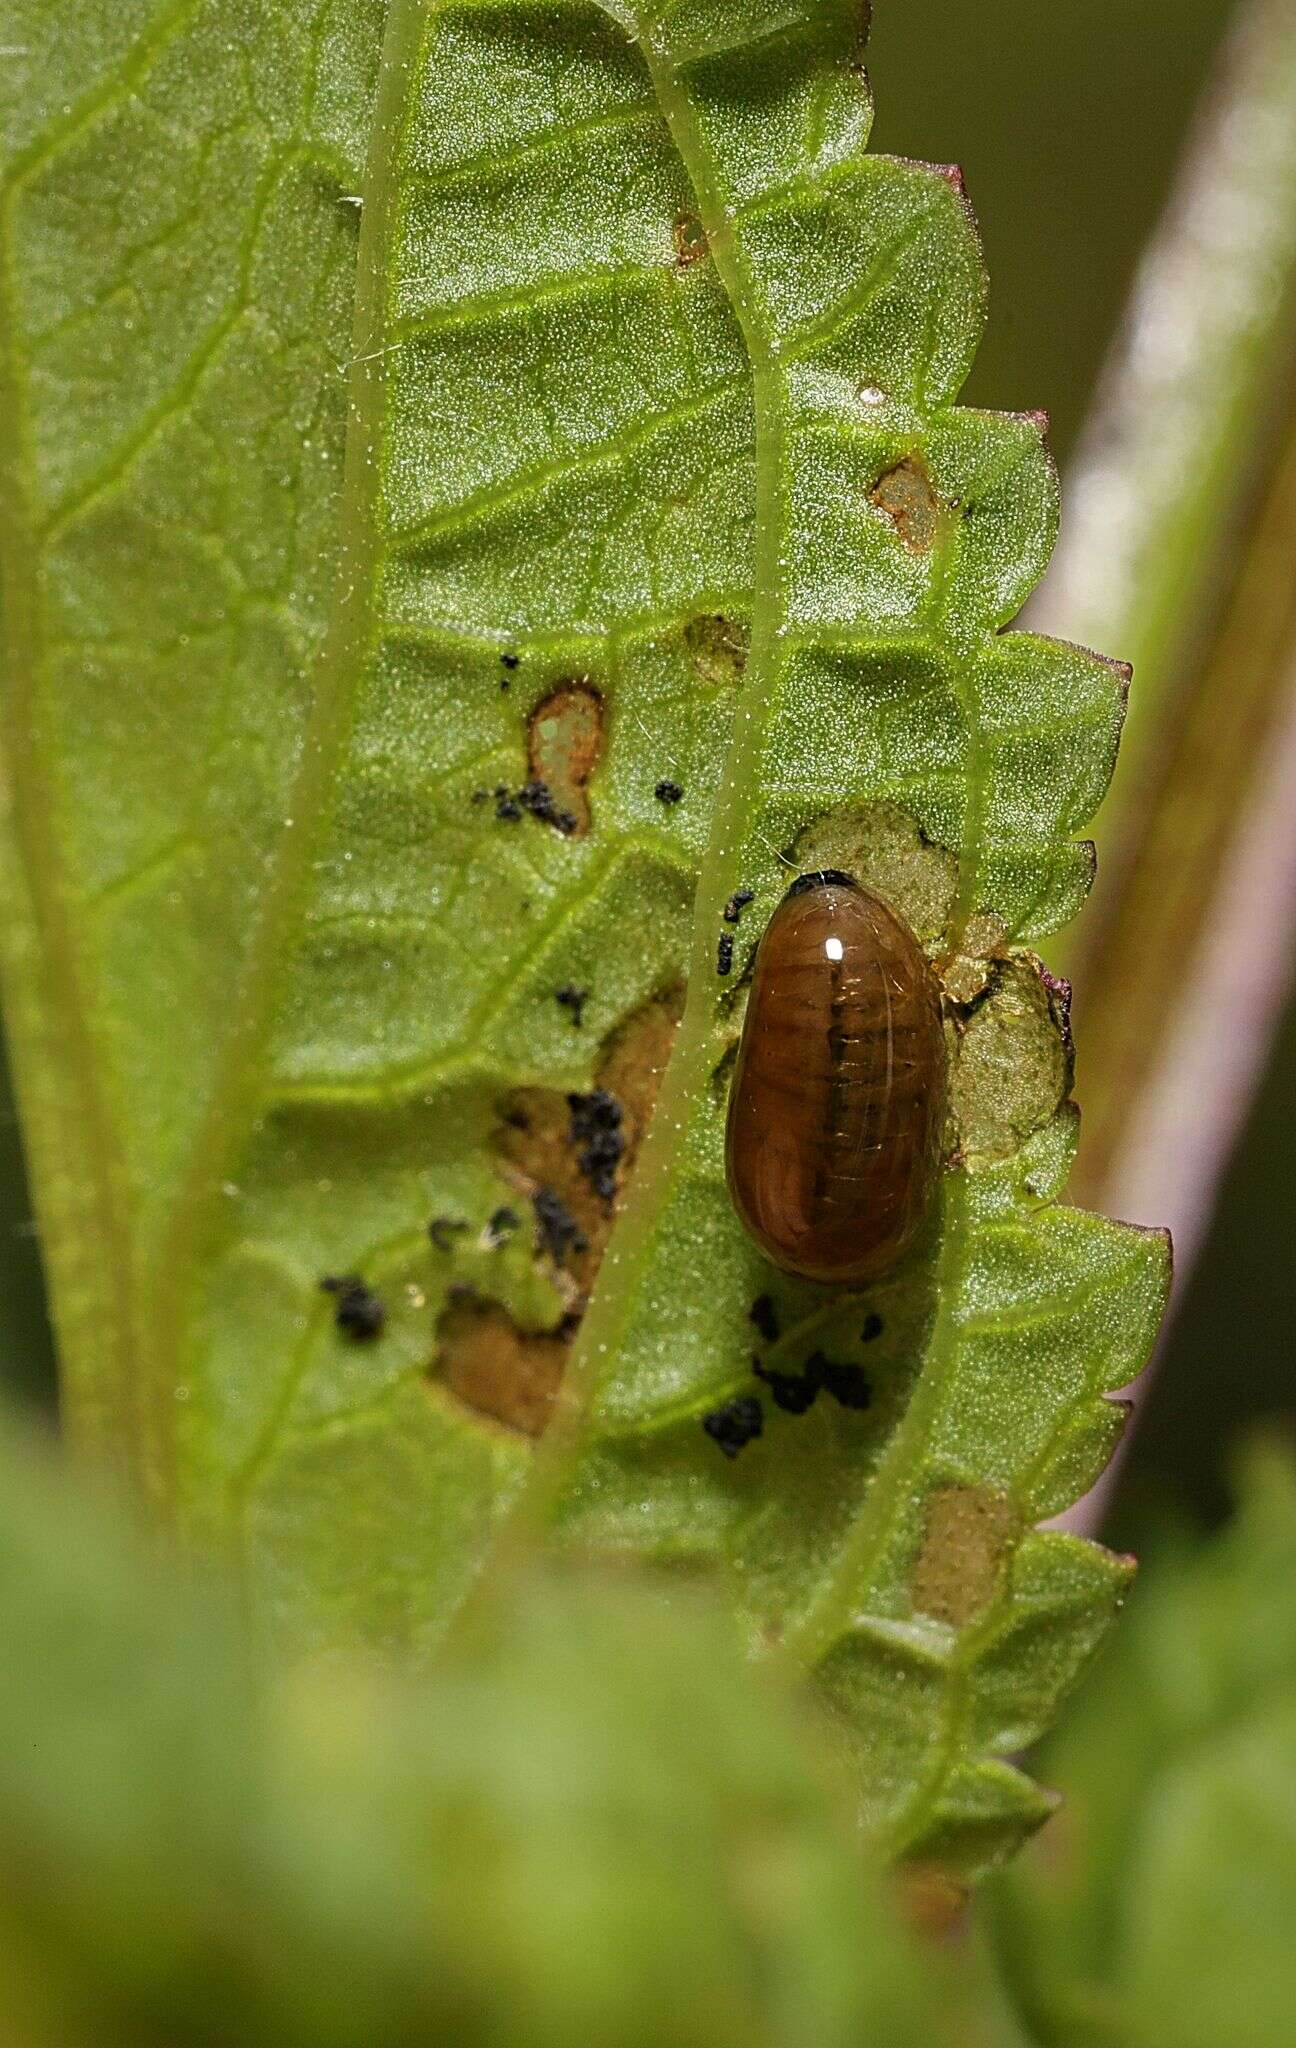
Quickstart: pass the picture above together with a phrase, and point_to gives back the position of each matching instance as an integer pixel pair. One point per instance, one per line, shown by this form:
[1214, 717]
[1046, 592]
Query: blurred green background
[1068, 120]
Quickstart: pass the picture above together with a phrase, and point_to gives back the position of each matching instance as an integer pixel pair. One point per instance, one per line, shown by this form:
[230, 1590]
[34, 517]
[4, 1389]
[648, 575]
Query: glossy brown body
[838, 1098]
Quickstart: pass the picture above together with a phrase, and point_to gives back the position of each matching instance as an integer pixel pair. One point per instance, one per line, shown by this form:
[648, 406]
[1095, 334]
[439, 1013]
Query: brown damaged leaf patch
[534, 1138]
[544, 1136]
[908, 498]
[634, 1061]
[548, 1143]
[495, 1368]
[564, 741]
[967, 1533]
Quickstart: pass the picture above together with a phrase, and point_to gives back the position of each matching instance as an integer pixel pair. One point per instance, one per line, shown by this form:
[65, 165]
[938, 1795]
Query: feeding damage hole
[967, 1533]
[1012, 1072]
[907, 496]
[717, 647]
[570, 1154]
[564, 740]
[690, 240]
[886, 849]
[492, 1366]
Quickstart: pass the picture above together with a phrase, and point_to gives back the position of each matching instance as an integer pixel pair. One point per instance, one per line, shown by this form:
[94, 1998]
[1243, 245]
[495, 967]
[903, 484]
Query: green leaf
[537, 1844]
[653, 488]
[1157, 1907]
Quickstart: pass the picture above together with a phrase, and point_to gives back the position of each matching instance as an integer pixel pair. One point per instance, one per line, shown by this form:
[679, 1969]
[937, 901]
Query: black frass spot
[510, 661]
[736, 1425]
[724, 955]
[873, 1328]
[845, 1382]
[358, 1312]
[573, 999]
[764, 1316]
[557, 1231]
[668, 792]
[599, 1140]
[502, 1225]
[537, 798]
[736, 905]
[794, 1392]
[443, 1230]
[534, 799]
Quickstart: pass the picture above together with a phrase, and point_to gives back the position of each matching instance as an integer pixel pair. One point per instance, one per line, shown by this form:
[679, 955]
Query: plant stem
[1178, 554]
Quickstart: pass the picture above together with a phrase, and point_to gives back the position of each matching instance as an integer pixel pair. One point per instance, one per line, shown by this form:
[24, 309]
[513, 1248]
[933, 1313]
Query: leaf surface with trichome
[658, 564]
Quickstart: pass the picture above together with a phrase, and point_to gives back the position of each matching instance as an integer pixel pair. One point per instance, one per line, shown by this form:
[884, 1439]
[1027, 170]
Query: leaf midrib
[694, 1049]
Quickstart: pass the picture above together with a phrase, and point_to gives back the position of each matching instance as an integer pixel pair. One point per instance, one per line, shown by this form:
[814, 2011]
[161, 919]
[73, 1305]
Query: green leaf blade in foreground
[1171, 1865]
[531, 1843]
[667, 568]
[180, 254]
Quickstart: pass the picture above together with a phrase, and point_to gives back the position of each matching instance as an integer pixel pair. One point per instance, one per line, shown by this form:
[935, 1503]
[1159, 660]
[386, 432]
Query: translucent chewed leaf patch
[634, 1061]
[1012, 1065]
[717, 647]
[537, 1139]
[564, 741]
[965, 974]
[885, 848]
[966, 1537]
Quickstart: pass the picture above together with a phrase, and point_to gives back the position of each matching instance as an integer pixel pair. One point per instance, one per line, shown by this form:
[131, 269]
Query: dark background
[1067, 119]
